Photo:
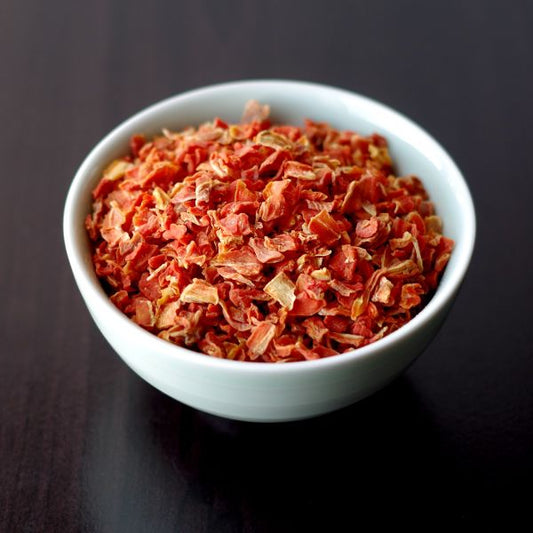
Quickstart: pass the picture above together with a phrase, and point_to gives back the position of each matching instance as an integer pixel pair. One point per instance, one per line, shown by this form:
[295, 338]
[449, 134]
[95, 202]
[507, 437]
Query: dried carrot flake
[265, 242]
[281, 288]
[260, 338]
[200, 292]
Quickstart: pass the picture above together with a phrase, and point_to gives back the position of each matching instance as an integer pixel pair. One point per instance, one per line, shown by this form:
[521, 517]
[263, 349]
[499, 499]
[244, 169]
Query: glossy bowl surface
[265, 391]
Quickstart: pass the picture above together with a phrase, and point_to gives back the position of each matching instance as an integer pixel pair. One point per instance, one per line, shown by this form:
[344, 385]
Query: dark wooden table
[86, 445]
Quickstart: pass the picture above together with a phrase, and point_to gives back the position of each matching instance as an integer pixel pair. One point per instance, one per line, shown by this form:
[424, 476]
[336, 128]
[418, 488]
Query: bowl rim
[90, 287]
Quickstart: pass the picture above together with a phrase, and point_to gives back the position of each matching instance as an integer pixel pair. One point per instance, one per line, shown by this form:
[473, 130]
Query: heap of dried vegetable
[265, 242]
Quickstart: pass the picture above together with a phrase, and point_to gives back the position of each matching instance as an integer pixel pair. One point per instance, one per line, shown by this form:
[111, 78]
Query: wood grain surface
[86, 445]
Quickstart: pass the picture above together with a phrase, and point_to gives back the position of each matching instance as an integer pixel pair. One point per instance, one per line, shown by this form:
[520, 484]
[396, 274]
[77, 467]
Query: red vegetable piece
[261, 243]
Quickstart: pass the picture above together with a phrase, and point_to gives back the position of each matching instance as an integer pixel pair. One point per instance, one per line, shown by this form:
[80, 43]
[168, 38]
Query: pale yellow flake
[200, 291]
[281, 288]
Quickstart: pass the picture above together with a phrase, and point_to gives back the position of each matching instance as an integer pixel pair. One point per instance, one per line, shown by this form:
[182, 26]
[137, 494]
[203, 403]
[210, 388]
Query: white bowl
[266, 391]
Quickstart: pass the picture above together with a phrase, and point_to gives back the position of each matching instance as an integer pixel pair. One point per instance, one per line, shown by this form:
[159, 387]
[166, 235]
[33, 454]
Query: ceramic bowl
[266, 391]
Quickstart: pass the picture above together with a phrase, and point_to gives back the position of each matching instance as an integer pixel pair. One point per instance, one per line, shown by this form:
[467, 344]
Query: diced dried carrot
[260, 242]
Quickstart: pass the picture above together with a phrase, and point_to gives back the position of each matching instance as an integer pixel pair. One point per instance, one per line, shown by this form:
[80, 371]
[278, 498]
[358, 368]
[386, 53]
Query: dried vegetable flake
[264, 242]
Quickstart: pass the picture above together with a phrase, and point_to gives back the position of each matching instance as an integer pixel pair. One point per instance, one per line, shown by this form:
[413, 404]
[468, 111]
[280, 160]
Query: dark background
[85, 445]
